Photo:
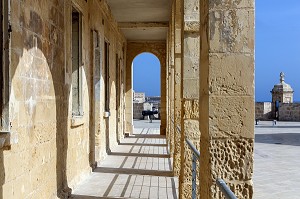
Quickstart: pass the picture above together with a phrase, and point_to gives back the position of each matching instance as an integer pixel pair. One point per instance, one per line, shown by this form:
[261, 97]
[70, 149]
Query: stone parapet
[263, 110]
[289, 112]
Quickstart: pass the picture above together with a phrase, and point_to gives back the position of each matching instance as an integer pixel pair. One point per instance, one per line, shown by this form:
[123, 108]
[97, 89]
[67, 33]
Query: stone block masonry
[263, 110]
[289, 112]
[286, 111]
[55, 149]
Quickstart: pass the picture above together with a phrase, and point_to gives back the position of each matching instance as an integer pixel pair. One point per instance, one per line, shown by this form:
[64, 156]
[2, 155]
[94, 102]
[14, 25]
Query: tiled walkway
[139, 167]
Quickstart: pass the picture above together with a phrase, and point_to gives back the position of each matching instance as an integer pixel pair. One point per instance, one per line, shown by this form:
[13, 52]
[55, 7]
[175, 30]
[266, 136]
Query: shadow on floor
[115, 181]
[142, 144]
[134, 171]
[92, 197]
[292, 139]
[140, 155]
[147, 136]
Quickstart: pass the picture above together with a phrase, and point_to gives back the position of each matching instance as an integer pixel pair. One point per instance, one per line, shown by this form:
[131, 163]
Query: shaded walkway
[139, 167]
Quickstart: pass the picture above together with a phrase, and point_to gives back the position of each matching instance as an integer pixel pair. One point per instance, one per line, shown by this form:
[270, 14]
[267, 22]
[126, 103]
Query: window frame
[79, 112]
[107, 76]
[4, 68]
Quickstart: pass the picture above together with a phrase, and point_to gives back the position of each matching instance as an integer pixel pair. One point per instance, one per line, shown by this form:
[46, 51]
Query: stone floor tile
[276, 161]
[136, 168]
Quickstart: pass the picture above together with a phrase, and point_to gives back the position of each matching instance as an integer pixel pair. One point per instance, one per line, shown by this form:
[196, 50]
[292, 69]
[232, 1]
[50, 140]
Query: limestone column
[163, 102]
[128, 98]
[172, 112]
[171, 83]
[167, 85]
[177, 86]
[226, 96]
[190, 92]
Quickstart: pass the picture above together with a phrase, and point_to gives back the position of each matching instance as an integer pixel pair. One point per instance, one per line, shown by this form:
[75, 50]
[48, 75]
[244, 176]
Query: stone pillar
[171, 135]
[167, 86]
[163, 114]
[177, 86]
[190, 92]
[128, 99]
[226, 96]
[171, 83]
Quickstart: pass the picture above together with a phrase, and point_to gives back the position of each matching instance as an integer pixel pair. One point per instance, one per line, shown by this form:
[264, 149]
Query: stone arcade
[66, 89]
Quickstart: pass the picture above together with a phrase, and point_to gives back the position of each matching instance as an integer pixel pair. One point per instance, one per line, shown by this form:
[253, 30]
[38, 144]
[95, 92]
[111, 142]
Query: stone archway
[158, 48]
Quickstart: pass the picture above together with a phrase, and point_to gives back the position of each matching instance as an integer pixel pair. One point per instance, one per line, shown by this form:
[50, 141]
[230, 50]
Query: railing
[196, 157]
[222, 185]
[225, 189]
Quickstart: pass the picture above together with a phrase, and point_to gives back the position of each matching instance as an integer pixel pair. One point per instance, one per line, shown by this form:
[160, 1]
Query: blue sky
[146, 74]
[277, 50]
[277, 46]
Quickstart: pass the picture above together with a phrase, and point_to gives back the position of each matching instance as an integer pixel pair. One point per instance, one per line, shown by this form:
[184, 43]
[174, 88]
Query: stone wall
[55, 150]
[139, 107]
[289, 112]
[263, 110]
[227, 96]
[137, 110]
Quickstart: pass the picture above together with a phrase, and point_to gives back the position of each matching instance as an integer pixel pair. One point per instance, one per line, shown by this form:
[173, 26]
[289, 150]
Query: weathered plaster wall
[158, 48]
[55, 150]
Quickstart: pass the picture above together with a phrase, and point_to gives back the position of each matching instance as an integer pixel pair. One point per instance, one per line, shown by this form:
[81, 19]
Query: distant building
[139, 97]
[153, 99]
[282, 92]
[282, 106]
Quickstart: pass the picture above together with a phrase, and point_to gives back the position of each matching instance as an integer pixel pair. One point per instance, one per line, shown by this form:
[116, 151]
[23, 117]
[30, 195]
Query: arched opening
[146, 70]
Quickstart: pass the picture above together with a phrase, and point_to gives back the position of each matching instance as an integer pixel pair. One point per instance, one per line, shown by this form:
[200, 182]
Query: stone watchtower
[282, 92]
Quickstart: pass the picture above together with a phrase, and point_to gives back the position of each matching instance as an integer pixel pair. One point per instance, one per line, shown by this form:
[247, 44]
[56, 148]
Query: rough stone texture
[263, 110]
[171, 48]
[158, 48]
[225, 112]
[289, 112]
[227, 96]
[137, 110]
[172, 126]
[177, 85]
[54, 150]
[52, 154]
[190, 42]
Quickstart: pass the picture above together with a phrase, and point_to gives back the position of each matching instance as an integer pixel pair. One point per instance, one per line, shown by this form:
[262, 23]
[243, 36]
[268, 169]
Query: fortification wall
[289, 112]
[137, 110]
[263, 110]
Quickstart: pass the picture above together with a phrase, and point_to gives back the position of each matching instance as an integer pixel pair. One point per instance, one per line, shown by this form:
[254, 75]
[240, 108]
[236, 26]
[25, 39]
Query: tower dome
[282, 92]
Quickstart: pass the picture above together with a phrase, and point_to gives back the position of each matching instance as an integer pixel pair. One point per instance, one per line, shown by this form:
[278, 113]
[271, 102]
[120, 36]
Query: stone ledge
[77, 121]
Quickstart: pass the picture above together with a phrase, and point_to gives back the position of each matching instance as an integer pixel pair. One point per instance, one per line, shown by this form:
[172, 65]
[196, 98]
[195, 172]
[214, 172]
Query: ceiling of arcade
[142, 19]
